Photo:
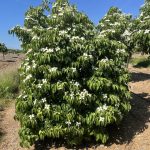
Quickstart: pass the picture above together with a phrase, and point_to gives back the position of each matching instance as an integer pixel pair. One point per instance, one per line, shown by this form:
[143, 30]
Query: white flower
[43, 100]
[120, 51]
[30, 50]
[104, 60]
[20, 96]
[72, 95]
[68, 29]
[105, 107]
[34, 65]
[25, 96]
[39, 86]
[126, 33]
[82, 38]
[60, 14]
[76, 84]
[44, 81]
[54, 16]
[35, 37]
[28, 68]
[31, 116]
[78, 124]
[53, 69]
[68, 123]
[57, 49]
[49, 28]
[35, 101]
[87, 56]
[47, 106]
[147, 17]
[75, 38]
[63, 32]
[101, 119]
[50, 50]
[74, 69]
[27, 78]
[146, 31]
[99, 108]
[83, 94]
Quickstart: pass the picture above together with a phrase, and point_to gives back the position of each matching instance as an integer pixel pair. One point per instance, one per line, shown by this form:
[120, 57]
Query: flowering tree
[142, 29]
[72, 86]
[3, 49]
[117, 26]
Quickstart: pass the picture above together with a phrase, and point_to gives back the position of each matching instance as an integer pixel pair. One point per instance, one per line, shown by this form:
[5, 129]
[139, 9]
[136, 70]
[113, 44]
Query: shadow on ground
[139, 76]
[134, 123]
[144, 63]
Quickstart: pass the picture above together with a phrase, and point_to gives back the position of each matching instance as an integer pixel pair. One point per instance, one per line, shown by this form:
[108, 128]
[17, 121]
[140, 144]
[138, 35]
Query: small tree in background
[3, 49]
[74, 82]
[117, 26]
[142, 29]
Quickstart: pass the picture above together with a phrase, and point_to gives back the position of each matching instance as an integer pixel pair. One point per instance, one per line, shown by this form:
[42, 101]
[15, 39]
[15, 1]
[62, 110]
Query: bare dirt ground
[132, 134]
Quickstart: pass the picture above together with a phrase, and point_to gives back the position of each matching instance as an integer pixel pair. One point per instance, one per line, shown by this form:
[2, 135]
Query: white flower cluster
[53, 69]
[74, 38]
[34, 64]
[44, 100]
[30, 18]
[78, 124]
[73, 69]
[101, 119]
[47, 50]
[47, 106]
[126, 33]
[31, 116]
[105, 60]
[68, 123]
[28, 77]
[35, 37]
[35, 102]
[120, 51]
[147, 31]
[63, 32]
[102, 108]
[86, 56]
[44, 81]
[39, 86]
[84, 94]
[75, 83]
[105, 96]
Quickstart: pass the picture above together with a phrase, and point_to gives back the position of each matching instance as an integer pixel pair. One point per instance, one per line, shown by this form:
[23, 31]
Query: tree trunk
[3, 56]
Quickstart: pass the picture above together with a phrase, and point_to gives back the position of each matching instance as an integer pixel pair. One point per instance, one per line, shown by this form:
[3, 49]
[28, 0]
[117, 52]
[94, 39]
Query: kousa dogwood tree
[142, 29]
[116, 25]
[73, 82]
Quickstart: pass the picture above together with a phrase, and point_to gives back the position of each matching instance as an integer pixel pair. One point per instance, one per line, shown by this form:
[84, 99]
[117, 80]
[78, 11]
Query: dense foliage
[3, 49]
[116, 25]
[142, 29]
[74, 82]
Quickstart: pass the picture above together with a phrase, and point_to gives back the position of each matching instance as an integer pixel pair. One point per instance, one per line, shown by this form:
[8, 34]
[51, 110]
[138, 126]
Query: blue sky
[12, 13]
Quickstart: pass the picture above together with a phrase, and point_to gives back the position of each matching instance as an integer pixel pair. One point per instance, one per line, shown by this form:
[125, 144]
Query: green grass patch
[140, 61]
[9, 84]
[5, 103]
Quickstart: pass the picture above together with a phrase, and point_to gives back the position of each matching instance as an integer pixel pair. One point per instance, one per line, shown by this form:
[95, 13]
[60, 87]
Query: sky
[12, 13]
